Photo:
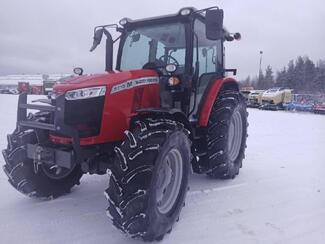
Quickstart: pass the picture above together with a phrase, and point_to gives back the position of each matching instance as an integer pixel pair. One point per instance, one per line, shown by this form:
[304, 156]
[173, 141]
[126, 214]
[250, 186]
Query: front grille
[85, 115]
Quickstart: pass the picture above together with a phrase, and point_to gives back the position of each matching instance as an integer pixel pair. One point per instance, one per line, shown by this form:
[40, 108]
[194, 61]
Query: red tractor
[167, 108]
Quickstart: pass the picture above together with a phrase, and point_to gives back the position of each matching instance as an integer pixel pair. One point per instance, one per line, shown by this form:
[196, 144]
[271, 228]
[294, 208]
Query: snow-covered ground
[279, 196]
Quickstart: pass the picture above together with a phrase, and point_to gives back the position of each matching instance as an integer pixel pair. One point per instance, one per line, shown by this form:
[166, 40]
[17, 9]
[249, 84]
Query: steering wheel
[169, 57]
[156, 64]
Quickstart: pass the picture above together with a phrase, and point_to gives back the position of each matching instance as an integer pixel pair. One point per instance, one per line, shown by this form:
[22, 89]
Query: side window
[208, 55]
[207, 59]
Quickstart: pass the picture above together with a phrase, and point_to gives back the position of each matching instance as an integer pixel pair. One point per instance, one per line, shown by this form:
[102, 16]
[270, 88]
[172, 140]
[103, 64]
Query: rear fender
[212, 94]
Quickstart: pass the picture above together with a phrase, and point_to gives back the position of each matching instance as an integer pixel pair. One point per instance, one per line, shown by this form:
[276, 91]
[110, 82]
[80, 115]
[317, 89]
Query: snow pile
[279, 196]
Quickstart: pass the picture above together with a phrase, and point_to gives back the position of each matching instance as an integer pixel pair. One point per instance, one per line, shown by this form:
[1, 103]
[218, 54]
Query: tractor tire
[149, 179]
[226, 135]
[23, 175]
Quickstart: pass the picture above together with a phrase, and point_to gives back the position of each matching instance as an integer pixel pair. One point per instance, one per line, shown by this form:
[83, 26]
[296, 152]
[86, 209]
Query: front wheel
[38, 181]
[149, 180]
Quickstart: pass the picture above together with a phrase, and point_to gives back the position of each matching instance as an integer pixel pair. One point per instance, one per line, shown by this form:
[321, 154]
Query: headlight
[86, 93]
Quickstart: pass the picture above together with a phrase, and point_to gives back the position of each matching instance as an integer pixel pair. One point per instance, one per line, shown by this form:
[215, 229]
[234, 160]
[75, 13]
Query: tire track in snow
[216, 189]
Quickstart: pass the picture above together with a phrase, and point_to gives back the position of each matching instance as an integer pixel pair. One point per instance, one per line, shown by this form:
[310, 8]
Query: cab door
[210, 57]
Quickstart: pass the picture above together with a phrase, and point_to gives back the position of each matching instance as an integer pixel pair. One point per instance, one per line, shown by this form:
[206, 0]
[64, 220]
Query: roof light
[124, 21]
[186, 11]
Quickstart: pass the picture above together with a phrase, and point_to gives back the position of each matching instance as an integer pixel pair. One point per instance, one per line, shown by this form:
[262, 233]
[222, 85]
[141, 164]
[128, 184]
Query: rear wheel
[34, 180]
[149, 180]
[226, 136]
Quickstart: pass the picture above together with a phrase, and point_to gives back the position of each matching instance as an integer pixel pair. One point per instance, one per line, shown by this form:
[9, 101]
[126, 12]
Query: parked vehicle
[14, 91]
[296, 106]
[275, 98]
[245, 93]
[255, 99]
[8, 91]
[319, 108]
[5, 91]
[168, 107]
[48, 84]
[36, 89]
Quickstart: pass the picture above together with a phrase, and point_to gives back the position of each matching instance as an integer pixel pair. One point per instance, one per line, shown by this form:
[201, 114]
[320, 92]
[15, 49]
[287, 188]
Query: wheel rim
[169, 181]
[235, 135]
[55, 172]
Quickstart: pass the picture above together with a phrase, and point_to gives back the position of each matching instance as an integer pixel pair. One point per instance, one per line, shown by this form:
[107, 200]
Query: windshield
[158, 44]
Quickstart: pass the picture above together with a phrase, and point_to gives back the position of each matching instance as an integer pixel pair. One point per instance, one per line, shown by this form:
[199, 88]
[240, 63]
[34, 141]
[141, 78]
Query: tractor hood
[111, 79]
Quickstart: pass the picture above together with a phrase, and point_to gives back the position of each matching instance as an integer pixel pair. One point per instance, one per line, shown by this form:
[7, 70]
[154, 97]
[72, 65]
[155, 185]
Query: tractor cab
[185, 50]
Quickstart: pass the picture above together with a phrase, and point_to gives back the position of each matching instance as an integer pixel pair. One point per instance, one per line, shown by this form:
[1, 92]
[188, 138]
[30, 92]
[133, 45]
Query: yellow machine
[273, 99]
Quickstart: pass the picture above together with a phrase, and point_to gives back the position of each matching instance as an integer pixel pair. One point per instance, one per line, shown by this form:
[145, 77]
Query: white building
[11, 81]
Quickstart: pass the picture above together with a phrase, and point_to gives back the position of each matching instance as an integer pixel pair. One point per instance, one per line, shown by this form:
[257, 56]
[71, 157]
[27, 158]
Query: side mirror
[214, 24]
[237, 36]
[97, 38]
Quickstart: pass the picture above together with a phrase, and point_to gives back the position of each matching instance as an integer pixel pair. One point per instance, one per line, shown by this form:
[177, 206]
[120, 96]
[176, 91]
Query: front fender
[173, 113]
[226, 83]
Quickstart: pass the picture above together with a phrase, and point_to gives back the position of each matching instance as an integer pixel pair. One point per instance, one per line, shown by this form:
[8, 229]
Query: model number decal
[134, 83]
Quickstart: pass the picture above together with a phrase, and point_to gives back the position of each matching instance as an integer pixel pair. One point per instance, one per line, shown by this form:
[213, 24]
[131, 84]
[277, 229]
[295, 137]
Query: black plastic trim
[58, 125]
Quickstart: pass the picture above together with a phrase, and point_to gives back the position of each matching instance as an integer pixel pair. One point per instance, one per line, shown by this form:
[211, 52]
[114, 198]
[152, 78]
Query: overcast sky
[42, 36]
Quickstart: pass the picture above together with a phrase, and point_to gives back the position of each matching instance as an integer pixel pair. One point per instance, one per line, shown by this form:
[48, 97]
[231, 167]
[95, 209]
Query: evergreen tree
[319, 78]
[290, 78]
[281, 78]
[265, 81]
[246, 83]
[301, 74]
[321, 64]
[260, 81]
[309, 73]
[269, 78]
